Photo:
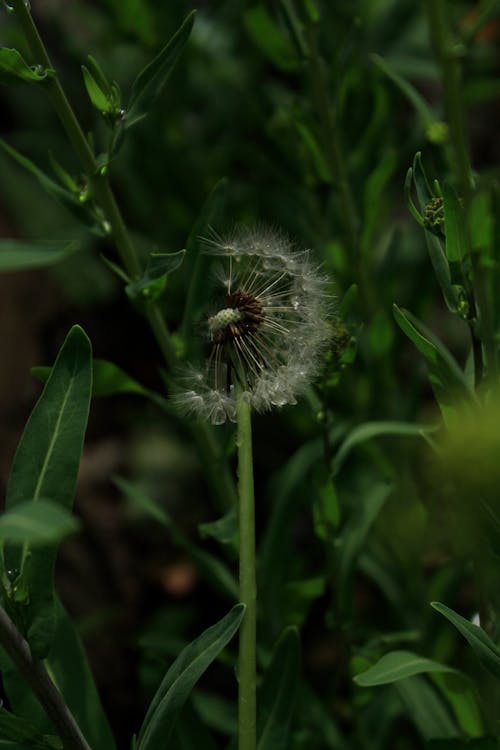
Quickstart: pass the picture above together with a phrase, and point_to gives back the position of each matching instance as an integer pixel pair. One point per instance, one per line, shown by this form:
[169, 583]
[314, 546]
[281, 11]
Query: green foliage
[378, 492]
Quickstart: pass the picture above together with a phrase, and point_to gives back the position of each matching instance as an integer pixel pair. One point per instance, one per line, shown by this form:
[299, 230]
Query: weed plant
[275, 217]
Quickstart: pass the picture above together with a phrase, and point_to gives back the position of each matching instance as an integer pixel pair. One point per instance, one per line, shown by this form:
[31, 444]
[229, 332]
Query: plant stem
[447, 55]
[41, 684]
[247, 703]
[105, 198]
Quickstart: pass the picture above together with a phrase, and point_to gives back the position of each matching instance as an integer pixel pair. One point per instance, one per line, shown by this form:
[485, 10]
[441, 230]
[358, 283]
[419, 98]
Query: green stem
[247, 702]
[447, 54]
[41, 684]
[119, 234]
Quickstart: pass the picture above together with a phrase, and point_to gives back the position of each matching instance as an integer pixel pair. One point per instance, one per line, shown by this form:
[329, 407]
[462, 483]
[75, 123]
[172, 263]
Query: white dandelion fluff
[268, 333]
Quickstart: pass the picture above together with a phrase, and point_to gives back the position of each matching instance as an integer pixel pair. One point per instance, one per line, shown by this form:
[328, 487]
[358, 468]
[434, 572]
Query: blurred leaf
[314, 149]
[13, 65]
[272, 41]
[369, 430]
[224, 530]
[484, 648]
[372, 497]
[456, 249]
[481, 214]
[46, 466]
[301, 595]
[447, 379]
[19, 730]
[181, 678]
[65, 197]
[397, 665]
[278, 692]
[213, 570]
[148, 85]
[409, 91]
[152, 284]
[199, 291]
[374, 187]
[326, 510]
[462, 696]
[191, 732]
[426, 709]
[37, 523]
[68, 667]
[107, 379]
[16, 255]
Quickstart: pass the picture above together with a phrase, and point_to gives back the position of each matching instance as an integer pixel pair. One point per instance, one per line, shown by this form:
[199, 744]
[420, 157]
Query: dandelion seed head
[268, 333]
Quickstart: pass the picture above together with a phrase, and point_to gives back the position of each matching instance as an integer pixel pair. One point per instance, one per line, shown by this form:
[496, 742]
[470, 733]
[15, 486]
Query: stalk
[41, 684]
[447, 54]
[247, 702]
[103, 193]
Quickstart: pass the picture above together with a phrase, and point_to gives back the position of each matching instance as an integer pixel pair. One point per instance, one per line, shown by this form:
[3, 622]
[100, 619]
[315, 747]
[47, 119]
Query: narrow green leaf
[224, 530]
[484, 648]
[426, 709]
[181, 678]
[456, 249]
[277, 695]
[46, 466]
[397, 665]
[40, 522]
[155, 278]
[148, 85]
[369, 430]
[447, 379]
[17, 255]
[213, 570]
[107, 379]
[13, 65]
[409, 91]
[270, 39]
[461, 694]
[17, 729]
[314, 149]
[99, 98]
[65, 197]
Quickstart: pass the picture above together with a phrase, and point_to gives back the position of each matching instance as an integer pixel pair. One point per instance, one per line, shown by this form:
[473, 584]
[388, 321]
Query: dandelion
[268, 332]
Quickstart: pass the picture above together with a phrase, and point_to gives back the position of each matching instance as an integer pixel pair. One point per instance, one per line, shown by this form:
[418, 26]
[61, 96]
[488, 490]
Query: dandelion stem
[247, 708]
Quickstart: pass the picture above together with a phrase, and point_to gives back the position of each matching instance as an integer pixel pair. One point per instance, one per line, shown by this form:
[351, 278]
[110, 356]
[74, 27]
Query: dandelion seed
[267, 336]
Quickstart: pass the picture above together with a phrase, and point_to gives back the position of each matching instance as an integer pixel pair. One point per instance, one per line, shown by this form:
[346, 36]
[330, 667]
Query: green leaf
[22, 732]
[484, 648]
[369, 430]
[270, 39]
[397, 665]
[426, 708]
[68, 666]
[213, 570]
[13, 65]
[40, 522]
[46, 466]
[277, 695]
[462, 696]
[152, 284]
[65, 197]
[107, 379]
[97, 96]
[456, 249]
[17, 255]
[148, 85]
[447, 379]
[410, 92]
[181, 678]
[224, 530]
